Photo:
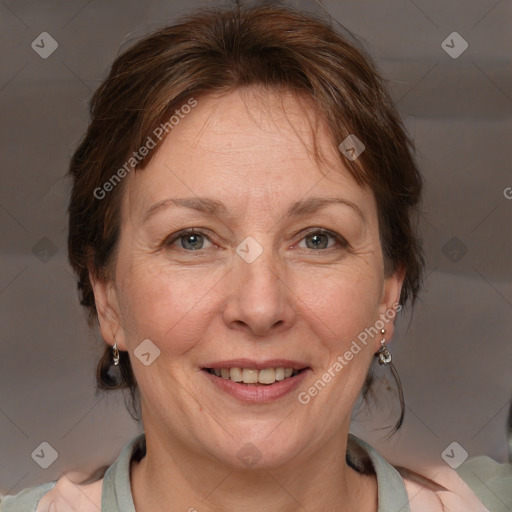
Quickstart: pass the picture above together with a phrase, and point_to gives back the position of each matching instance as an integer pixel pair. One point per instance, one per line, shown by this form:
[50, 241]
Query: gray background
[455, 356]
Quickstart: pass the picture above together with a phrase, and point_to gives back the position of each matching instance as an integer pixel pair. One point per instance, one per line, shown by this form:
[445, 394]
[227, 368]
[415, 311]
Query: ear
[390, 302]
[107, 306]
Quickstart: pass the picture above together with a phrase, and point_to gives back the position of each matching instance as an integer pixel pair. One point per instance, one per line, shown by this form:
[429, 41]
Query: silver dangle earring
[384, 354]
[116, 354]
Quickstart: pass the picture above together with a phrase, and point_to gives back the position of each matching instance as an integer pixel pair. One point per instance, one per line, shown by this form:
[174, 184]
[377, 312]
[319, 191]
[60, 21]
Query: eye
[322, 239]
[189, 240]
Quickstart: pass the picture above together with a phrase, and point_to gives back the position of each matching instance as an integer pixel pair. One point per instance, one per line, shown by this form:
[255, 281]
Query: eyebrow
[201, 204]
[217, 208]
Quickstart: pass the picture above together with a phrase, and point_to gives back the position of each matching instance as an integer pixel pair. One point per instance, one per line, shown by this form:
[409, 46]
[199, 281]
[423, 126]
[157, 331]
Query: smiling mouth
[265, 377]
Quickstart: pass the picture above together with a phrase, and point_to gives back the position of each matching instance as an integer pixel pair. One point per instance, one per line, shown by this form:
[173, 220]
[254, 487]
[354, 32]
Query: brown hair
[218, 50]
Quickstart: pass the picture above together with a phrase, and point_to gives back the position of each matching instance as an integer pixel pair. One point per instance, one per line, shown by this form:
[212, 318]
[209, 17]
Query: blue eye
[190, 240]
[319, 239]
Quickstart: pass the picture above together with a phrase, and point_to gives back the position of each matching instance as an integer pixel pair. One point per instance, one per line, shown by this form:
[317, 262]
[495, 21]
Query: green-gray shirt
[117, 495]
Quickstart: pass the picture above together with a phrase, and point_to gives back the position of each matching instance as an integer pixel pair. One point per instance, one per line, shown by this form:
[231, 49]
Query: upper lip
[257, 365]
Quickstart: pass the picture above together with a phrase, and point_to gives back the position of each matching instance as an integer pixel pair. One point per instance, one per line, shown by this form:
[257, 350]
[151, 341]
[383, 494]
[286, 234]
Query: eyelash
[318, 231]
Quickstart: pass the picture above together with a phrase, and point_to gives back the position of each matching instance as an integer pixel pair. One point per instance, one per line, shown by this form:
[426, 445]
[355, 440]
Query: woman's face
[285, 270]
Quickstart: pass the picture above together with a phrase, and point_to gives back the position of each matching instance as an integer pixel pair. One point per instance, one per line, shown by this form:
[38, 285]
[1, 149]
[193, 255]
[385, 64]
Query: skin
[253, 152]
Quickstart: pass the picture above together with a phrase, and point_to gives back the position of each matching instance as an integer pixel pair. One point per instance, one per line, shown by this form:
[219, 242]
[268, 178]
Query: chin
[262, 450]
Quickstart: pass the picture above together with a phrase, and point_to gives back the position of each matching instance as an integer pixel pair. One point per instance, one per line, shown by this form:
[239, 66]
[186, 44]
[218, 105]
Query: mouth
[253, 376]
[256, 382]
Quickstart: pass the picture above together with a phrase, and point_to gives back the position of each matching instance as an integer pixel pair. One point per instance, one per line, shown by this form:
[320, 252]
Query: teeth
[235, 374]
[280, 373]
[251, 376]
[267, 376]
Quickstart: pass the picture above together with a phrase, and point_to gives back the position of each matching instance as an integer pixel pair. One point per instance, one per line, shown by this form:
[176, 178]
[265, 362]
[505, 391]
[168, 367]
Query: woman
[242, 225]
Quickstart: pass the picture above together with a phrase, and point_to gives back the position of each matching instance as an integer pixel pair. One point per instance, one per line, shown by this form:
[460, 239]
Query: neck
[175, 479]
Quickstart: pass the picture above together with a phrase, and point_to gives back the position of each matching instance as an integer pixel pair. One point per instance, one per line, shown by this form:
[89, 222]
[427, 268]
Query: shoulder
[26, 500]
[439, 488]
[435, 489]
[63, 494]
[108, 487]
[490, 480]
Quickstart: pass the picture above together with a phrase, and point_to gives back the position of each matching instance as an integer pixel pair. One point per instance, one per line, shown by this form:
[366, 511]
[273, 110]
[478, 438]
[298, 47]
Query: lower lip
[257, 393]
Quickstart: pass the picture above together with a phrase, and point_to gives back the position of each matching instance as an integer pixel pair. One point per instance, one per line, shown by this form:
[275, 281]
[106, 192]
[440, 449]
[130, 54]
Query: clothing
[410, 493]
[490, 481]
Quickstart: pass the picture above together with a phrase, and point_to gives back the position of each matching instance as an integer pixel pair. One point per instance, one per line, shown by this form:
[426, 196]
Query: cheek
[338, 311]
[171, 307]
[340, 305]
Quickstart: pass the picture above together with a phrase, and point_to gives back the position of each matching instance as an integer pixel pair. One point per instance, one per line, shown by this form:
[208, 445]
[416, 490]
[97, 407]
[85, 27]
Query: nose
[260, 300]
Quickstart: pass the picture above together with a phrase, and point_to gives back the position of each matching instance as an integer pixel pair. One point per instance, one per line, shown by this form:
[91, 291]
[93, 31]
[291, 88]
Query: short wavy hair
[219, 50]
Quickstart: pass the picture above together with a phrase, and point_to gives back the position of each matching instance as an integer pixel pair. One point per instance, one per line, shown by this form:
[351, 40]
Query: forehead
[270, 146]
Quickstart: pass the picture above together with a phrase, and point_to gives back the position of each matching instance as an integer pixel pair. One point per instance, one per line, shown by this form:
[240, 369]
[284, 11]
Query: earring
[116, 354]
[383, 354]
